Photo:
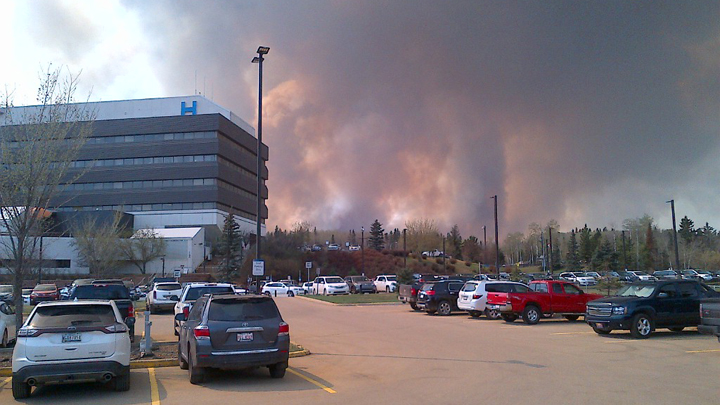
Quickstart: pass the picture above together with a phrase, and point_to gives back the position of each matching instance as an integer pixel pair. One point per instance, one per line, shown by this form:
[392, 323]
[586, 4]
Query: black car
[644, 307]
[231, 331]
[440, 297]
[115, 292]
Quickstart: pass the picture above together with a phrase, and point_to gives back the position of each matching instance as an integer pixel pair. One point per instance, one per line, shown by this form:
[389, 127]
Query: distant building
[177, 162]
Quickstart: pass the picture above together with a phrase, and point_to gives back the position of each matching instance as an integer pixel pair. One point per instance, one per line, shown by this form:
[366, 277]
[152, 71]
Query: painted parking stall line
[312, 381]
[5, 382]
[154, 393]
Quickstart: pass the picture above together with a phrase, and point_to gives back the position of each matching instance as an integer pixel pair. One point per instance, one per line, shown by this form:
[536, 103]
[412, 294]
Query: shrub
[439, 260]
[453, 261]
[451, 268]
[468, 263]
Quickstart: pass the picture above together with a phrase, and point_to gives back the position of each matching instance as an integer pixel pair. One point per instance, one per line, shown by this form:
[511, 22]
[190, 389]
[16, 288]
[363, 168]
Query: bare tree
[98, 245]
[142, 248]
[422, 234]
[37, 145]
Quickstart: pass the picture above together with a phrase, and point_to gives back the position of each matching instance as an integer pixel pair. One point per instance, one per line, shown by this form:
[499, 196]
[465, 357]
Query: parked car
[281, 288]
[545, 297]
[117, 293]
[593, 274]
[71, 341]
[691, 274]
[666, 275]
[7, 323]
[44, 292]
[333, 246]
[643, 307]
[233, 332]
[473, 296]
[354, 248]
[163, 296]
[635, 275]
[705, 275]
[360, 284]
[6, 292]
[386, 282]
[407, 293]
[330, 285]
[579, 278]
[191, 292]
[440, 297]
[26, 295]
[710, 317]
[308, 287]
[433, 253]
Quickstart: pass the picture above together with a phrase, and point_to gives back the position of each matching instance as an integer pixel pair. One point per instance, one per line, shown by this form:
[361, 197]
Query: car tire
[4, 342]
[290, 294]
[601, 331]
[131, 331]
[197, 374]
[571, 318]
[674, 329]
[414, 306]
[444, 308]
[387, 290]
[278, 370]
[510, 318]
[122, 382]
[641, 326]
[20, 389]
[531, 315]
[475, 314]
[492, 314]
[181, 362]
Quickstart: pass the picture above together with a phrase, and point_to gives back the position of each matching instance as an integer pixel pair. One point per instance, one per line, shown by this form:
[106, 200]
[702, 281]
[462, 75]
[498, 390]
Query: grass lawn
[356, 298]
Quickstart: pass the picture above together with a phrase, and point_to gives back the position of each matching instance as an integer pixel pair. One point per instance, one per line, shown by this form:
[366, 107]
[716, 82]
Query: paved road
[388, 354]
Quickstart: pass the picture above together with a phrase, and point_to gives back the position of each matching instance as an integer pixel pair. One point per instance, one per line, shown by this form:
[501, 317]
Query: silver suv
[233, 332]
[71, 341]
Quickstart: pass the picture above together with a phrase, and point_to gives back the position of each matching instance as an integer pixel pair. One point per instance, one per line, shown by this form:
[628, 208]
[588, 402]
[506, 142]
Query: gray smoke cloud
[585, 112]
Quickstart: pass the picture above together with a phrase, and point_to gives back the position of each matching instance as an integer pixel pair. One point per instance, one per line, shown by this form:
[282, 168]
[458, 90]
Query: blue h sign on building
[192, 110]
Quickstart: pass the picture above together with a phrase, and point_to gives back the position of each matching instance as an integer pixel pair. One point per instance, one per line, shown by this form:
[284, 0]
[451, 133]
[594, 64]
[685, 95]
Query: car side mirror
[663, 295]
[180, 317]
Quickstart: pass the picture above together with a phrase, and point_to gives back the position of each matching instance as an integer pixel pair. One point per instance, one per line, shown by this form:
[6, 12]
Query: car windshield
[392, 278]
[64, 316]
[45, 287]
[168, 287]
[242, 310]
[101, 292]
[468, 287]
[197, 292]
[358, 278]
[334, 280]
[636, 291]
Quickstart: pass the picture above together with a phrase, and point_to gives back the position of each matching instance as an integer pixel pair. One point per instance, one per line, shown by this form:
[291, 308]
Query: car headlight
[619, 310]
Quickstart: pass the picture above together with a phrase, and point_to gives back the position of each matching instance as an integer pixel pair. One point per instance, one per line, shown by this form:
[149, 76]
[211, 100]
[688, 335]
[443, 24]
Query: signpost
[308, 266]
[258, 267]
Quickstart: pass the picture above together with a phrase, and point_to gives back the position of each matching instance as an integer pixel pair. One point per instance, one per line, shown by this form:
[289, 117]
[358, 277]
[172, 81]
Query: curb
[359, 304]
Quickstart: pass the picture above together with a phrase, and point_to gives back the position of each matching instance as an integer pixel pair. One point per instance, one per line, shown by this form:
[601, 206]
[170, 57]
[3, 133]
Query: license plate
[494, 306]
[70, 337]
[245, 337]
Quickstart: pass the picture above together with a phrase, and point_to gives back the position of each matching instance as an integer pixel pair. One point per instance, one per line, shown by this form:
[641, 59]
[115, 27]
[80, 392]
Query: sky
[580, 111]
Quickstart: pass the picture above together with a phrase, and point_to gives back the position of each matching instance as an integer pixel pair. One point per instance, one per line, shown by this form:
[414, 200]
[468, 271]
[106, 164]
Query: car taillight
[201, 332]
[131, 311]
[477, 296]
[430, 292]
[413, 291]
[27, 332]
[186, 311]
[284, 329]
[117, 328]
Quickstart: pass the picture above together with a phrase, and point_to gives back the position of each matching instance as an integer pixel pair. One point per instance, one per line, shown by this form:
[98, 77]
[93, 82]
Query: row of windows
[142, 207]
[177, 136]
[143, 161]
[228, 186]
[242, 149]
[247, 173]
[119, 185]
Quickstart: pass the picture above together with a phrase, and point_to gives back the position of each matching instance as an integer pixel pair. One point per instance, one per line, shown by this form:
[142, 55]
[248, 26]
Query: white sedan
[278, 288]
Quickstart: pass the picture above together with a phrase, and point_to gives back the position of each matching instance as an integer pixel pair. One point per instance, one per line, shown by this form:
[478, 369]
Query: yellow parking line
[573, 333]
[310, 380]
[154, 394]
[703, 351]
[5, 381]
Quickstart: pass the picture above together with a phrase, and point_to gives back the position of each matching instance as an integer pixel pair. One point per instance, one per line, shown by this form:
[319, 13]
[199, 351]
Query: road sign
[176, 273]
[317, 271]
[258, 267]
[308, 265]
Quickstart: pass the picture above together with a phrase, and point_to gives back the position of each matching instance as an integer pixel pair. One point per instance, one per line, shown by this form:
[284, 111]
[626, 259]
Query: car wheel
[475, 314]
[387, 290]
[414, 306]
[175, 329]
[20, 389]
[641, 326]
[492, 313]
[197, 374]
[181, 362]
[132, 333]
[290, 294]
[444, 308]
[602, 331]
[267, 293]
[4, 342]
[531, 315]
[572, 318]
[674, 329]
[278, 370]
[325, 292]
[122, 382]
[509, 317]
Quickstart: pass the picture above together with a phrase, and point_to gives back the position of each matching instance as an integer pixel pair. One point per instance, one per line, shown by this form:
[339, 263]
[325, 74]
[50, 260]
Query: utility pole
[542, 249]
[677, 257]
[550, 255]
[443, 253]
[497, 242]
[405, 247]
[362, 247]
[624, 251]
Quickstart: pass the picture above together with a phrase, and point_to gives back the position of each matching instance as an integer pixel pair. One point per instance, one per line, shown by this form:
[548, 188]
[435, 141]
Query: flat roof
[173, 232]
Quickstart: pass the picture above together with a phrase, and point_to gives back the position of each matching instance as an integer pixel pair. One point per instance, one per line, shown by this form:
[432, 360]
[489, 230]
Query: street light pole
[677, 257]
[362, 247]
[497, 242]
[624, 251]
[262, 50]
[405, 247]
[162, 259]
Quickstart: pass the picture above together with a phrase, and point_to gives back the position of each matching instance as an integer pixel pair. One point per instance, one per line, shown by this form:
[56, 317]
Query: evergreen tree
[573, 253]
[376, 240]
[229, 247]
[687, 230]
[471, 249]
[605, 257]
[586, 248]
[649, 252]
[454, 243]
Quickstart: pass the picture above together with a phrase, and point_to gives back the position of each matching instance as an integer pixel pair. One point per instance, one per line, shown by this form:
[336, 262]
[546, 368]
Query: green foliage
[687, 230]
[454, 243]
[377, 239]
[405, 276]
[573, 253]
[649, 252]
[471, 249]
[586, 246]
[605, 257]
[229, 248]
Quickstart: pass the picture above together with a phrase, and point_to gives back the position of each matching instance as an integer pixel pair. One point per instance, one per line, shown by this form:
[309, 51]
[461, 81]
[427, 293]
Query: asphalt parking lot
[389, 354]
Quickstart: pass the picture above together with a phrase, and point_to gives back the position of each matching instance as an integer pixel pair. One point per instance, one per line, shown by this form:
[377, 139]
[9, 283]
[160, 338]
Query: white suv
[330, 285]
[386, 282]
[192, 292]
[71, 341]
[159, 297]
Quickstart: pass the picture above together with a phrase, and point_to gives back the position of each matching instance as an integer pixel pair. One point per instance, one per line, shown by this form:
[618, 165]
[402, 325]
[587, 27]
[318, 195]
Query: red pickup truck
[544, 298]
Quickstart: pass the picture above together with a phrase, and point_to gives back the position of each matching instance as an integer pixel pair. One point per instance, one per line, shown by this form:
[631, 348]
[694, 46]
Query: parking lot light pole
[362, 247]
[405, 247]
[677, 257]
[262, 50]
[497, 242]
